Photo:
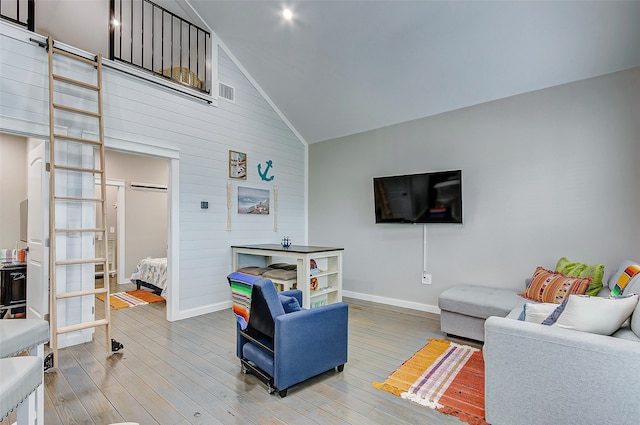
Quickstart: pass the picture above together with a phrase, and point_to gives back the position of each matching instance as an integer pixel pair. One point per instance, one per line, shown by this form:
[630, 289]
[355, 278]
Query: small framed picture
[237, 165]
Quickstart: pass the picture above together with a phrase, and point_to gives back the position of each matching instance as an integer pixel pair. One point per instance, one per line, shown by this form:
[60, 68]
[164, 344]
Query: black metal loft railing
[19, 12]
[147, 36]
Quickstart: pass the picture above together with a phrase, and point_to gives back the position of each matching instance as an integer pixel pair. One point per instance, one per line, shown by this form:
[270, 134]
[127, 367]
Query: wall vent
[148, 186]
[226, 92]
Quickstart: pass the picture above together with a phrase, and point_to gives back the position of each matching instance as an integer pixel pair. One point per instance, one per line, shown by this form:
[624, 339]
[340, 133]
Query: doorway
[137, 200]
[115, 206]
[170, 157]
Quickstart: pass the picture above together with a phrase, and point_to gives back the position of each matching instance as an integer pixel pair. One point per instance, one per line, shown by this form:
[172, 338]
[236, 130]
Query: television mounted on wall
[434, 197]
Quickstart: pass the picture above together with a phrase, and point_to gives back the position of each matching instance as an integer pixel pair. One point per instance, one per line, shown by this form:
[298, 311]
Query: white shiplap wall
[201, 135]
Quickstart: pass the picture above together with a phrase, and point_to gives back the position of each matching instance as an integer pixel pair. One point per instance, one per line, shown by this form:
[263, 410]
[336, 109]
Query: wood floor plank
[187, 372]
[50, 414]
[161, 411]
[154, 374]
[90, 395]
[67, 405]
[180, 367]
[98, 368]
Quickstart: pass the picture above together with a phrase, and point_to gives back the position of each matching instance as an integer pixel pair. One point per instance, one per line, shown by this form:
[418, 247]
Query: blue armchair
[286, 348]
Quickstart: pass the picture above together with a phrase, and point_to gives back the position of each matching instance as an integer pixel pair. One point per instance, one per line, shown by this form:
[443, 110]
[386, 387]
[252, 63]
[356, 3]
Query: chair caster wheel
[340, 368]
[270, 389]
[282, 393]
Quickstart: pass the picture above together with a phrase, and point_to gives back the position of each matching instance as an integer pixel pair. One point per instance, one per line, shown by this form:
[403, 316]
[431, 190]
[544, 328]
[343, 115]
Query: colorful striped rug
[445, 376]
[128, 299]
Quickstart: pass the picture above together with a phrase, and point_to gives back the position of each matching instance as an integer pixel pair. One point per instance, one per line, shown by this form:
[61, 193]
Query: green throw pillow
[575, 269]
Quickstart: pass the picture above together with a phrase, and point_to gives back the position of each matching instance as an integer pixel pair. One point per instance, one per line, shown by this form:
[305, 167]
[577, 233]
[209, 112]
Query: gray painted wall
[145, 210]
[546, 174]
[13, 188]
[89, 33]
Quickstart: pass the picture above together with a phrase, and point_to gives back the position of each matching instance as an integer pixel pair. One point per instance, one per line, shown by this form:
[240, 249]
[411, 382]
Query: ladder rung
[81, 293]
[77, 139]
[74, 56]
[83, 229]
[80, 261]
[75, 82]
[76, 110]
[81, 169]
[81, 326]
[75, 198]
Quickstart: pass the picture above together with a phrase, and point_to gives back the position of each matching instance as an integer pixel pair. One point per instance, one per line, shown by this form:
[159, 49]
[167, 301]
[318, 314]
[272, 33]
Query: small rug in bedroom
[127, 299]
[445, 376]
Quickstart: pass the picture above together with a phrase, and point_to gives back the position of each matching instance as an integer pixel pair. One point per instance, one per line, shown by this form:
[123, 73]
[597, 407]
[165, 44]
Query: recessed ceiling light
[287, 14]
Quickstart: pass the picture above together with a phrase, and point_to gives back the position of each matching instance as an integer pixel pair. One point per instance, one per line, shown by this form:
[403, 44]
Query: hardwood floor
[187, 372]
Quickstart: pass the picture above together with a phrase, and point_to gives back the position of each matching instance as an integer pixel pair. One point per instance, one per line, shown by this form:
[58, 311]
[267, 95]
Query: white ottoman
[21, 377]
[19, 335]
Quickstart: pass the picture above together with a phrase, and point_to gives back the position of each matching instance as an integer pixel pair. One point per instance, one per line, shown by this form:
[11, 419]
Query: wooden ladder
[68, 159]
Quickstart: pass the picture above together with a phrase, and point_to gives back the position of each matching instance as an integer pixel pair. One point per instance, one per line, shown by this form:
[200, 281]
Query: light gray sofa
[464, 308]
[541, 375]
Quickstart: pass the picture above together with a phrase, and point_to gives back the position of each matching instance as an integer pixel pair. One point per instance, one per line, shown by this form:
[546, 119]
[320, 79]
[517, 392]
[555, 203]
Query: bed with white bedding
[151, 273]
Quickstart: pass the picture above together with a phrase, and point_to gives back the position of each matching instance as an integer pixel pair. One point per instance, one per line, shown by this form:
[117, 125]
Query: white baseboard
[392, 301]
[185, 314]
[211, 308]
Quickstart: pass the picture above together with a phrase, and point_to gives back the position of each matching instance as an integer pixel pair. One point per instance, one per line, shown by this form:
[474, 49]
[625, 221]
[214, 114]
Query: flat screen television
[419, 198]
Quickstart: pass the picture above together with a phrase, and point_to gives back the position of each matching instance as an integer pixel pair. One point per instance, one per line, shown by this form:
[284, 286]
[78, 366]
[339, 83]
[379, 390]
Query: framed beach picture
[253, 201]
[237, 165]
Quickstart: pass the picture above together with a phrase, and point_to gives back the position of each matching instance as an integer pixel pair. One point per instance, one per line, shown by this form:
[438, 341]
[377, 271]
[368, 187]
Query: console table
[329, 262]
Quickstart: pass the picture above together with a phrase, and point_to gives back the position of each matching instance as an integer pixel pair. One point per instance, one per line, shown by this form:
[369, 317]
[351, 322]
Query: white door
[70, 311]
[37, 232]
[75, 245]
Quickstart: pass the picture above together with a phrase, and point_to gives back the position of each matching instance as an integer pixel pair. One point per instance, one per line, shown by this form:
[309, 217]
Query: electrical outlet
[426, 278]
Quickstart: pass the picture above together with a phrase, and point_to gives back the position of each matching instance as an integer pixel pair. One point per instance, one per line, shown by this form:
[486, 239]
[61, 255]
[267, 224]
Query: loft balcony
[19, 12]
[159, 44]
[149, 37]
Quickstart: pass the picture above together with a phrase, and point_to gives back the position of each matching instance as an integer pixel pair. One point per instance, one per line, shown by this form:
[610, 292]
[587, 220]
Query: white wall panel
[147, 114]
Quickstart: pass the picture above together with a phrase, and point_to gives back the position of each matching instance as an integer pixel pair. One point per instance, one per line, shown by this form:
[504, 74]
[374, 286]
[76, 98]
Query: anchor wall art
[264, 174]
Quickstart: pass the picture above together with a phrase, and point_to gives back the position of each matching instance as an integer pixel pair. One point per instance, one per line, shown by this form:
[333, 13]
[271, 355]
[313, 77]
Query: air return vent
[148, 186]
[226, 92]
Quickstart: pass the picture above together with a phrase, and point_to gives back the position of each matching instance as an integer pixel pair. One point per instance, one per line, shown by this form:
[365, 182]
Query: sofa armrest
[566, 376]
[309, 342]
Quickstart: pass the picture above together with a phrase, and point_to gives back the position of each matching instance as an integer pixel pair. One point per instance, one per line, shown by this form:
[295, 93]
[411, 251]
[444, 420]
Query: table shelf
[328, 259]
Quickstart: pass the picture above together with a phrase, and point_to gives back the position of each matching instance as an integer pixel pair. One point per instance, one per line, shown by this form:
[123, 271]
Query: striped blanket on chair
[241, 287]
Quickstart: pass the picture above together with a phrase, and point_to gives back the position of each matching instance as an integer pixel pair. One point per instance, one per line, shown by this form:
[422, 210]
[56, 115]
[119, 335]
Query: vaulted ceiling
[343, 67]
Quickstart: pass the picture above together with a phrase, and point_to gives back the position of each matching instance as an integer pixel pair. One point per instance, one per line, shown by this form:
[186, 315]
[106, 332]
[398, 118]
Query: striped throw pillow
[625, 277]
[553, 287]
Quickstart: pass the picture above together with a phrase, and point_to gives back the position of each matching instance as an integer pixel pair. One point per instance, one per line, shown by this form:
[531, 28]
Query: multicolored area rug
[445, 376]
[127, 299]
